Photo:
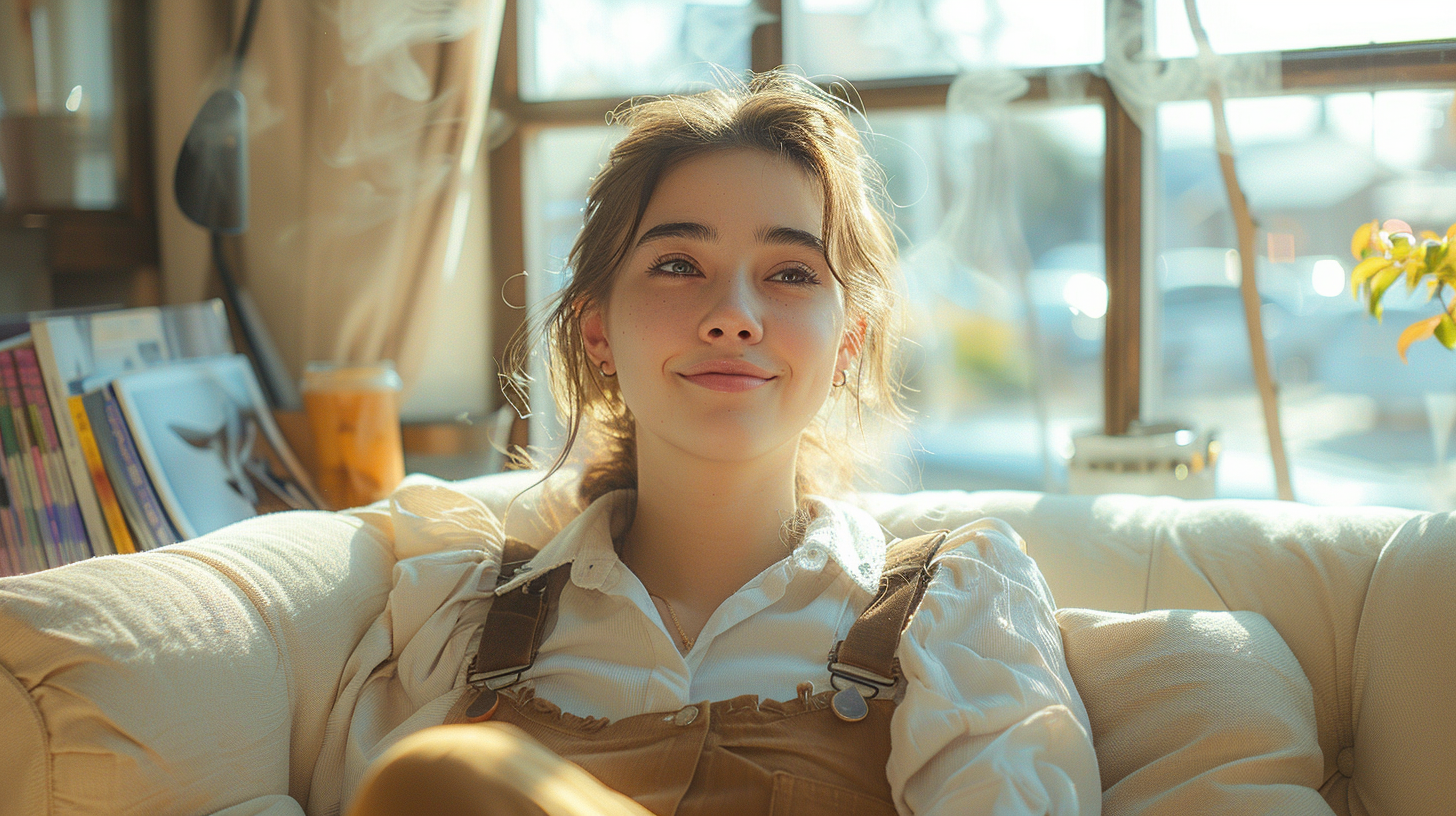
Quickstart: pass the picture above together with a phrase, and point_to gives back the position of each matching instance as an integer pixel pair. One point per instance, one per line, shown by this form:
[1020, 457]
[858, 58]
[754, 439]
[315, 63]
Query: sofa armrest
[187, 679]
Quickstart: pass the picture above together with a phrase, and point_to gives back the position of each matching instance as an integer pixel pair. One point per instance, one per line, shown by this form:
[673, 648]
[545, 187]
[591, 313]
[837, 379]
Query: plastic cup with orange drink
[353, 411]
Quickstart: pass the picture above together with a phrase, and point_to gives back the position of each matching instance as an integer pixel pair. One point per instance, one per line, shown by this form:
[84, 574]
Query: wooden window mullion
[766, 48]
[1122, 191]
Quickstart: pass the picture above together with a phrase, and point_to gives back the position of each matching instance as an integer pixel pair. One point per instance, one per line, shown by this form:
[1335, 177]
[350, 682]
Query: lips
[726, 375]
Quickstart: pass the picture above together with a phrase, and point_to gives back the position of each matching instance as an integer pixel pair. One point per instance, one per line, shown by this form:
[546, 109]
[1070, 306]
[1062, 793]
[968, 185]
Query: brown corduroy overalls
[819, 753]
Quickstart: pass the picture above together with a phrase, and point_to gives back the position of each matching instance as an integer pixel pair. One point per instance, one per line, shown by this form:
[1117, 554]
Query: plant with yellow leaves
[1391, 251]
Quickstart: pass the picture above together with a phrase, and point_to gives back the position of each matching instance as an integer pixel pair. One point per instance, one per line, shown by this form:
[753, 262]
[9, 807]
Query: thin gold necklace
[672, 613]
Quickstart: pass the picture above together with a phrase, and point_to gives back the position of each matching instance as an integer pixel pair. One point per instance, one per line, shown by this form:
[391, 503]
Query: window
[864, 39]
[1111, 299]
[1007, 333]
[589, 49]
[1312, 166]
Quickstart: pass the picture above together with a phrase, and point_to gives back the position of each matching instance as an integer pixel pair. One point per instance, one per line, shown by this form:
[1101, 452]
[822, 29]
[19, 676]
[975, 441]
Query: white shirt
[987, 720]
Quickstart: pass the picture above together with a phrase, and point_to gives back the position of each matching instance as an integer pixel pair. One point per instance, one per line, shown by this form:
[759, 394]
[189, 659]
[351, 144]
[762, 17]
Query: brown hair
[785, 115]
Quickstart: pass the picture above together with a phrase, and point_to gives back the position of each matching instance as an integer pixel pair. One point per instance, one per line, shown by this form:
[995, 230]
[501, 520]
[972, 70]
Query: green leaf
[1378, 285]
[1446, 331]
[1436, 253]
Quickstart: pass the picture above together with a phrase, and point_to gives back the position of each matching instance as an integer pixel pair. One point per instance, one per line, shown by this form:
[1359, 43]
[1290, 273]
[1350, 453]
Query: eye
[796, 274]
[673, 267]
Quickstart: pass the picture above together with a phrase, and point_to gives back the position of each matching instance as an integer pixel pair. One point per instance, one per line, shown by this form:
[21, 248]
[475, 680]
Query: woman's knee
[454, 769]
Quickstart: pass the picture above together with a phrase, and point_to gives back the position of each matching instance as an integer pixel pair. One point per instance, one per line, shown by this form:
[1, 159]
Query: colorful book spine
[31, 547]
[43, 430]
[105, 494]
[12, 541]
[30, 462]
[9, 542]
[124, 466]
[95, 404]
[87, 501]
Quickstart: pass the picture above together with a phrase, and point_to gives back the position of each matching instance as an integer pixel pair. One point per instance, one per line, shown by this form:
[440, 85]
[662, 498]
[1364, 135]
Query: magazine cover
[73, 349]
[209, 443]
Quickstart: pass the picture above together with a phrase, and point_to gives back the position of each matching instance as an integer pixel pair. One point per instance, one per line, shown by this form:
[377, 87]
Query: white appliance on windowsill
[1163, 459]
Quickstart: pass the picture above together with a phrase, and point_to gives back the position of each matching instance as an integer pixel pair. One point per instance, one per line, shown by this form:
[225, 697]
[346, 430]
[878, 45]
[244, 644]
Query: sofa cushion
[186, 679]
[1195, 712]
[1403, 705]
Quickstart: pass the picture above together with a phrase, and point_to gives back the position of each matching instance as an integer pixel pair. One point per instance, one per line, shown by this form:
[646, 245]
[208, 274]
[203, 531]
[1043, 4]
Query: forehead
[738, 188]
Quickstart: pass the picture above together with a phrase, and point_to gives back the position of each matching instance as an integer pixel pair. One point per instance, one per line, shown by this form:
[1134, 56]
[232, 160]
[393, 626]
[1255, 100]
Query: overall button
[685, 716]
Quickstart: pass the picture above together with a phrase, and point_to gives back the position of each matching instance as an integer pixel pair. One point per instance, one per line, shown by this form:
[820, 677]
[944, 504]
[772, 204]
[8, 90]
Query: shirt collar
[840, 532]
[585, 543]
[849, 536]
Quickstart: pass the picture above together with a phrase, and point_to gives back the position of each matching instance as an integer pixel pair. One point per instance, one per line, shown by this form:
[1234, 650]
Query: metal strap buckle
[865, 680]
[869, 683]
[859, 686]
[498, 679]
[510, 569]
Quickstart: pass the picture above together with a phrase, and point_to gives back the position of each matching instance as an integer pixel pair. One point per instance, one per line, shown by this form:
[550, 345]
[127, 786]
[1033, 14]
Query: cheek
[640, 327]
[813, 339]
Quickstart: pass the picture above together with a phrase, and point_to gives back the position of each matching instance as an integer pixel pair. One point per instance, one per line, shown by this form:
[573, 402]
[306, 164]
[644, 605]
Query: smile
[729, 374]
[717, 381]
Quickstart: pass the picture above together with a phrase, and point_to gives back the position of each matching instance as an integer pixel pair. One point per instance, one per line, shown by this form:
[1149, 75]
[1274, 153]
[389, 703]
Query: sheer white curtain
[366, 123]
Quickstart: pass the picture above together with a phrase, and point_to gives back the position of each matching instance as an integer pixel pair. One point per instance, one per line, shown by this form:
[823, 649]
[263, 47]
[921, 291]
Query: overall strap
[514, 627]
[866, 656]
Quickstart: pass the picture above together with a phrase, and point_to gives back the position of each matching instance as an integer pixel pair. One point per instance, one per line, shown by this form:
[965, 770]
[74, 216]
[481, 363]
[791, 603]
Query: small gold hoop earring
[602, 366]
[840, 378]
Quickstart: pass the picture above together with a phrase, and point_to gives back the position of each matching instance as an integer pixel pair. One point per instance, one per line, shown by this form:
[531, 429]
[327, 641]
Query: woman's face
[724, 326]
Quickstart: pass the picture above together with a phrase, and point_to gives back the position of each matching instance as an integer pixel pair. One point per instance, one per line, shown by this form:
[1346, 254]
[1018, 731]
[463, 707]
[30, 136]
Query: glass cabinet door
[62, 134]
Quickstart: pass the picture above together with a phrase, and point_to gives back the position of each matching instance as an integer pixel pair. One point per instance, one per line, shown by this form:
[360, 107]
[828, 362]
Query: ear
[594, 337]
[851, 344]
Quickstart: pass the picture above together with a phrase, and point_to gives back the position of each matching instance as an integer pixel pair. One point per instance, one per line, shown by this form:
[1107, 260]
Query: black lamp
[211, 185]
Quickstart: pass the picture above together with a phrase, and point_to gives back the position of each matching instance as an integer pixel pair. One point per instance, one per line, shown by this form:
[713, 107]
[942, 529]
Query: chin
[733, 441]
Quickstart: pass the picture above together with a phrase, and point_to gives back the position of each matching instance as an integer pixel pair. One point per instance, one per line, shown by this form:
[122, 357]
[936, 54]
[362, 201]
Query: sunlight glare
[1086, 294]
[1328, 277]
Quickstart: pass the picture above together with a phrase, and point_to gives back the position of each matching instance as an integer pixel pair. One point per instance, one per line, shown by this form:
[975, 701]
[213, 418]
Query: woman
[706, 636]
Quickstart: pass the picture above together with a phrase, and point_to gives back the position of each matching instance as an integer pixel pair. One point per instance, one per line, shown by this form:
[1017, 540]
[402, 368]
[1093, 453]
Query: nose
[734, 312]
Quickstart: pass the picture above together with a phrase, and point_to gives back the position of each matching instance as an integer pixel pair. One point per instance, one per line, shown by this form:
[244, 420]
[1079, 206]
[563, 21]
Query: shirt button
[685, 716]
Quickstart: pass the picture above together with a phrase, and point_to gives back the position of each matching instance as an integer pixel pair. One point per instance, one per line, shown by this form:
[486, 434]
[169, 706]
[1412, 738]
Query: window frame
[1128, 168]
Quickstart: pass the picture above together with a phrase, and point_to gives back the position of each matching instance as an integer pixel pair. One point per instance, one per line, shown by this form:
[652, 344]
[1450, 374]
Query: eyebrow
[791, 236]
[679, 229]
[702, 232]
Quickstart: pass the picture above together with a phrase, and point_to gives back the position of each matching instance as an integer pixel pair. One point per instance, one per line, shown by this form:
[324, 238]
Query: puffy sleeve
[990, 722]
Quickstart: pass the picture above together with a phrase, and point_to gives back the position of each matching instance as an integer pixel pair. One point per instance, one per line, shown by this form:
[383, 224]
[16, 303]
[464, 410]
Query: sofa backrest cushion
[1403, 684]
[1195, 712]
[187, 679]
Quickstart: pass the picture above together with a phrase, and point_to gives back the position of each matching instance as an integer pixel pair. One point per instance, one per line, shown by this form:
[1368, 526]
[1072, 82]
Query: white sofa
[197, 678]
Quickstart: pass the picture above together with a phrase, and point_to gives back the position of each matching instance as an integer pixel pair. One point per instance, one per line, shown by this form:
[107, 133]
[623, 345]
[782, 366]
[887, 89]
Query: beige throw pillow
[1195, 712]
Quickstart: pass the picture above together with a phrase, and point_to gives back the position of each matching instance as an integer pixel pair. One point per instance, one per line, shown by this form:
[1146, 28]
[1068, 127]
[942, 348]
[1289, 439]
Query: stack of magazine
[130, 429]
